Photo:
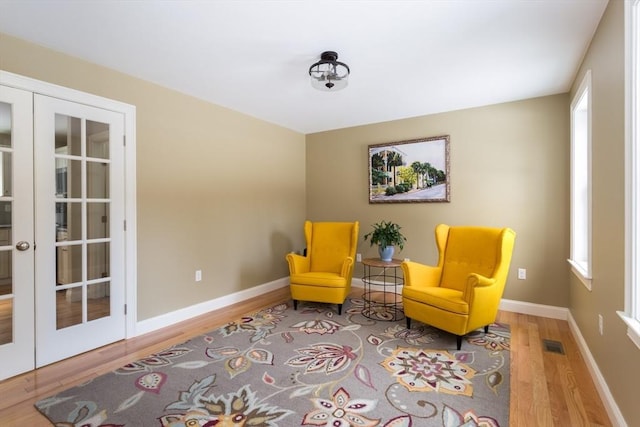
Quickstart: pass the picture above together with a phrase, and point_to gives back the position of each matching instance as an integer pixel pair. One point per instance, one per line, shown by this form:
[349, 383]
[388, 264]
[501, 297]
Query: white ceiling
[407, 58]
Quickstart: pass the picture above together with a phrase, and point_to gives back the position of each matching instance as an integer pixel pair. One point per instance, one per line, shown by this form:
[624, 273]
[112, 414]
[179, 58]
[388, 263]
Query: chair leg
[295, 304]
[486, 329]
[459, 341]
[408, 323]
[339, 309]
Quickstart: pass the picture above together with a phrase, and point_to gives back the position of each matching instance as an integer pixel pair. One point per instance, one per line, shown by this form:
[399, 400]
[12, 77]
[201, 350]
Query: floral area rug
[310, 367]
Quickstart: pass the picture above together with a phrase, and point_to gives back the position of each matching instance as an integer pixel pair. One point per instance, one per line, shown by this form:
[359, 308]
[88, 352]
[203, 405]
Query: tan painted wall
[509, 167]
[616, 356]
[216, 190]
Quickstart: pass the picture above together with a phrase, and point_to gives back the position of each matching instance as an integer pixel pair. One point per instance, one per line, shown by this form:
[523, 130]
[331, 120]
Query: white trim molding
[186, 313]
[633, 327]
[598, 379]
[549, 311]
[581, 181]
[631, 314]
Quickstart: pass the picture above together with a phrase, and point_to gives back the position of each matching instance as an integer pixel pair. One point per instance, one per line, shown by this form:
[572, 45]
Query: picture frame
[412, 171]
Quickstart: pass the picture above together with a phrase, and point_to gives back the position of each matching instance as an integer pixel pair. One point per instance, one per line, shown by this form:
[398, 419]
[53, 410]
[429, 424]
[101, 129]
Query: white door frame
[129, 112]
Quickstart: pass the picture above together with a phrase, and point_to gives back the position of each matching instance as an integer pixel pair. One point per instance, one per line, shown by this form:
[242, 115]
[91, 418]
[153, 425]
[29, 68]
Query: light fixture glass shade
[329, 74]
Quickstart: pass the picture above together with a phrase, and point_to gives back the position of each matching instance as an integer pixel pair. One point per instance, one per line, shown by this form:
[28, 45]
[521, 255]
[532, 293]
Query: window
[580, 258]
[631, 315]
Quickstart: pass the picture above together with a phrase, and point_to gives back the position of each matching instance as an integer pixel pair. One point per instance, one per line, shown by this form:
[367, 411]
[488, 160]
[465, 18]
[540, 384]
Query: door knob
[22, 246]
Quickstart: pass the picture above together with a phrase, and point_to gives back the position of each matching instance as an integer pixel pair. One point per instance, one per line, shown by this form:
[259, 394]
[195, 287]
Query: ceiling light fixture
[329, 74]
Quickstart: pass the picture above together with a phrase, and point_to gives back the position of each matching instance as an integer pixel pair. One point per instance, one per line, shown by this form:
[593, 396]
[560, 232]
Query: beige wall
[617, 357]
[216, 190]
[509, 167]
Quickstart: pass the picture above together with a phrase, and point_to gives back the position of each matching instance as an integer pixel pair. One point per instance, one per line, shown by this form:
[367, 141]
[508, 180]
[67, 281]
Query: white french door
[16, 232]
[79, 205]
[62, 237]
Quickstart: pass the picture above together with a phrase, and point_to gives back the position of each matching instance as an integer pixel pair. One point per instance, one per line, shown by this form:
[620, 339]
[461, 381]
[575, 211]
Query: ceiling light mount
[329, 74]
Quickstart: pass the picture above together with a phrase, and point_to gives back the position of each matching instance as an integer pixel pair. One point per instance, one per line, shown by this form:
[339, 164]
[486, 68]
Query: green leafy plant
[386, 233]
[390, 191]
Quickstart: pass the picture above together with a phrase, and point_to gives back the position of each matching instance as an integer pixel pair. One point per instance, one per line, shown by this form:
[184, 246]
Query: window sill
[633, 327]
[580, 273]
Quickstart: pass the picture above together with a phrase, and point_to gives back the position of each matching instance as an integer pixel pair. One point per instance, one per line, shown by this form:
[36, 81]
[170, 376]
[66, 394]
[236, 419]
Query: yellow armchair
[461, 293]
[324, 274]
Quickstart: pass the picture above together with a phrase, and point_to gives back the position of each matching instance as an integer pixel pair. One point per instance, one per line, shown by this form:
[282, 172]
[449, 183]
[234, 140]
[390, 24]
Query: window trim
[583, 272]
[631, 315]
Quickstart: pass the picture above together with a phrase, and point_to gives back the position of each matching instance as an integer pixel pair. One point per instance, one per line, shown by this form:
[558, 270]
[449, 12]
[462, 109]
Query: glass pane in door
[5, 173]
[6, 250]
[5, 124]
[97, 180]
[68, 178]
[97, 220]
[97, 140]
[69, 307]
[6, 321]
[68, 226]
[68, 138]
[97, 260]
[99, 304]
[6, 281]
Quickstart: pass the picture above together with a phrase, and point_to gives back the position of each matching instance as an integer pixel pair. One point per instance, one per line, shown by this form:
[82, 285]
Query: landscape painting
[410, 171]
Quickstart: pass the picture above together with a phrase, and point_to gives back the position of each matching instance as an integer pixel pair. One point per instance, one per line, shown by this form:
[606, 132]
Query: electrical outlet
[522, 273]
[198, 275]
[407, 259]
[358, 257]
[601, 324]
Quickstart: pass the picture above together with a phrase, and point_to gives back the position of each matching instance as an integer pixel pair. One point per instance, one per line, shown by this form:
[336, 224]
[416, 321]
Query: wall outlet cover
[522, 273]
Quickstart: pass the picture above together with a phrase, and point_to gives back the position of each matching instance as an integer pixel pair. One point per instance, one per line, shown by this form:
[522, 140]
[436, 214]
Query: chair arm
[347, 267]
[416, 274]
[476, 281]
[297, 263]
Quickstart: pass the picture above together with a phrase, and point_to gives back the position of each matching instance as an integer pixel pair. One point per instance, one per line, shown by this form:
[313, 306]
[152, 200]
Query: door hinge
[125, 309]
[124, 140]
[125, 225]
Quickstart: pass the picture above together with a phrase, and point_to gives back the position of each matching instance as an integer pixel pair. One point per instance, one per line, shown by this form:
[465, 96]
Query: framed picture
[413, 171]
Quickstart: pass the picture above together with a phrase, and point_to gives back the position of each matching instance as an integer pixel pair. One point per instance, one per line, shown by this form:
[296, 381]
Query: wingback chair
[461, 293]
[324, 274]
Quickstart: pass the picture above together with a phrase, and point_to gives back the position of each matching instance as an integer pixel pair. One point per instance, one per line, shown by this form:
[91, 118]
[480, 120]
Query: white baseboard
[169, 319]
[550, 311]
[601, 385]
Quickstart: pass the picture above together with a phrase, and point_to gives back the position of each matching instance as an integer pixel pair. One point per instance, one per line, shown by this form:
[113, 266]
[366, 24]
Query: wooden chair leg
[408, 323]
[486, 329]
[295, 304]
[459, 341]
[339, 309]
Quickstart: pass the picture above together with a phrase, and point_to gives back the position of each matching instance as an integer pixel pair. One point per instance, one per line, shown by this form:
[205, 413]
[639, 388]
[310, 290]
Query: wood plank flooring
[547, 389]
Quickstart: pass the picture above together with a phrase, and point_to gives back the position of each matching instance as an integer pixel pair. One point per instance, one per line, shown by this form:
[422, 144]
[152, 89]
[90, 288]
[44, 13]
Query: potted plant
[386, 235]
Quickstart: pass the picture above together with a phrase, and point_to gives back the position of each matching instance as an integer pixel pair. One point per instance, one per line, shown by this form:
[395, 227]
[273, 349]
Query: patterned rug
[310, 367]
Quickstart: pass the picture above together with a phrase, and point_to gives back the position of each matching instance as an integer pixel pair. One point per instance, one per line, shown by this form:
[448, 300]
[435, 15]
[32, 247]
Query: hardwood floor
[547, 389]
